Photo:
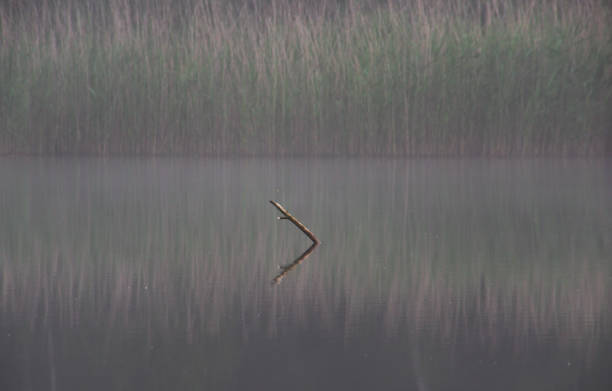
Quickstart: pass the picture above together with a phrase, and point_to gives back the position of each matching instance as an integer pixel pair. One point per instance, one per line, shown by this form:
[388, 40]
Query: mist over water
[431, 274]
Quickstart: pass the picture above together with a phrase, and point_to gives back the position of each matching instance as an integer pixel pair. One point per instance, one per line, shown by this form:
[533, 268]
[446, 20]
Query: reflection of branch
[295, 221]
[287, 268]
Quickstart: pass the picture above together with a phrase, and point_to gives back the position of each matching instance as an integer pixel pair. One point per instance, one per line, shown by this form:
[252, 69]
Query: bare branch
[315, 242]
[295, 221]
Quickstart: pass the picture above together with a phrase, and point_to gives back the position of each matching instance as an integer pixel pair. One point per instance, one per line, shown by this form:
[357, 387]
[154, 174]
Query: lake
[123, 274]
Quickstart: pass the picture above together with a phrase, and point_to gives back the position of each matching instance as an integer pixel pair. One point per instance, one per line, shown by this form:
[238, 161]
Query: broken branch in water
[315, 242]
[295, 221]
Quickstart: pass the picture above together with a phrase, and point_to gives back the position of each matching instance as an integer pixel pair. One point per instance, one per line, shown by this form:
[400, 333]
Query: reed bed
[402, 78]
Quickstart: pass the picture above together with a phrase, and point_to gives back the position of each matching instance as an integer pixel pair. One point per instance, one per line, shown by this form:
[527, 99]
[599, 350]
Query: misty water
[123, 274]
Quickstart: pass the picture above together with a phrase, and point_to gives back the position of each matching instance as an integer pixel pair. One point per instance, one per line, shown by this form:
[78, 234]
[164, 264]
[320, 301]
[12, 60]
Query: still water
[431, 275]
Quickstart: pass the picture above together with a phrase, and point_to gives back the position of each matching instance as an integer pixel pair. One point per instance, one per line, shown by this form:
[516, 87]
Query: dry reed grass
[282, 78]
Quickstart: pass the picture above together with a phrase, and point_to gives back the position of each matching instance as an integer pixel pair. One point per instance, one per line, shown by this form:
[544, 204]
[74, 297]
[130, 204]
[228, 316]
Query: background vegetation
[282, 77]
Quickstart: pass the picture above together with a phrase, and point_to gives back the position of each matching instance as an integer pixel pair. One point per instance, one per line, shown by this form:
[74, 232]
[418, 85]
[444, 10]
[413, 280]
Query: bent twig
[315, 242]
[296, 222]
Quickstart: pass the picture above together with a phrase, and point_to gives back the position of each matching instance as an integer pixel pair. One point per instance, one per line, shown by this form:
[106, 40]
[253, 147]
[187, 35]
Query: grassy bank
[406, 78]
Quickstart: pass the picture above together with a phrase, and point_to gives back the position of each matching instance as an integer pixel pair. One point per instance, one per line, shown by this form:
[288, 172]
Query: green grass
[396, 78]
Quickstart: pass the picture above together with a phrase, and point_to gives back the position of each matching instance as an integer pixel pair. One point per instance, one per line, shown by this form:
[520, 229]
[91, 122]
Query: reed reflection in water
[429, 273]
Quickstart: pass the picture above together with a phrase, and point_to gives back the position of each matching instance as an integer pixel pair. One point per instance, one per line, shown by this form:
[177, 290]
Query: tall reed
[277, 77]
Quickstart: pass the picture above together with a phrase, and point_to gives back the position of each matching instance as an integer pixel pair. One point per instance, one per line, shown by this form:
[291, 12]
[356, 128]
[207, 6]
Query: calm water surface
[431, 275]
